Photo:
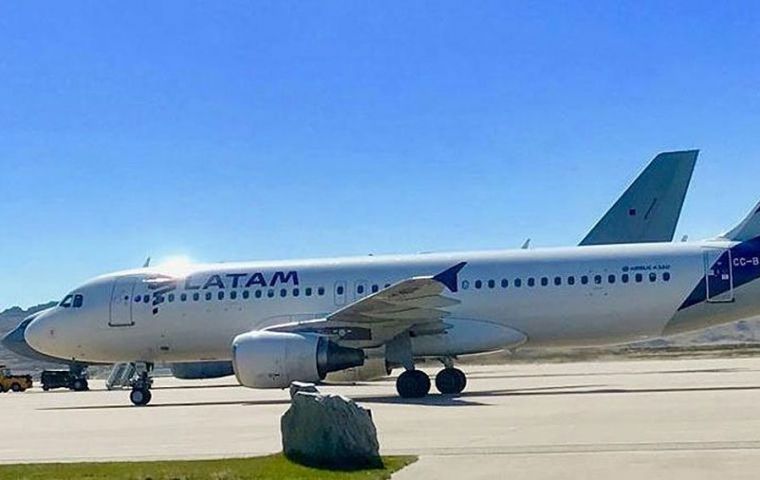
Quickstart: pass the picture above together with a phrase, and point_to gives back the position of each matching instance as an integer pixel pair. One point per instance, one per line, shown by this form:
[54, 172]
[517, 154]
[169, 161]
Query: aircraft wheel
[450, 381]
[140, 396]
[413, 384]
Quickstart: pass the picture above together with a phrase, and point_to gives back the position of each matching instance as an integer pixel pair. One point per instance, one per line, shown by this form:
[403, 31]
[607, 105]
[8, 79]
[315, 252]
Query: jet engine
[264, 359]
[375, 367]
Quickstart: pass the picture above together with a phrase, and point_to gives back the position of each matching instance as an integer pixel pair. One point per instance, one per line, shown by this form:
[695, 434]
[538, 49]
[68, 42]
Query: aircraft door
[719, 279]
[121, 302]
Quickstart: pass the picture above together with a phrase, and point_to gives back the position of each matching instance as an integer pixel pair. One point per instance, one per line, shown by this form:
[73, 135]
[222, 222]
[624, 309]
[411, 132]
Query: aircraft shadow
[437, 400]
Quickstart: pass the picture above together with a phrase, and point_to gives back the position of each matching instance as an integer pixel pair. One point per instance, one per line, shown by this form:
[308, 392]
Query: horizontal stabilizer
[648, 211]
[748, 229]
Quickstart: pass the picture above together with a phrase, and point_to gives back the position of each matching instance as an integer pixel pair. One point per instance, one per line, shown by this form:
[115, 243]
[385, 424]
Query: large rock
[329, 431]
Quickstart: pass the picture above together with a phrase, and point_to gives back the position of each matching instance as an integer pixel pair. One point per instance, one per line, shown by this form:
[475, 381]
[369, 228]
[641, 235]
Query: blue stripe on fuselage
[745, 265]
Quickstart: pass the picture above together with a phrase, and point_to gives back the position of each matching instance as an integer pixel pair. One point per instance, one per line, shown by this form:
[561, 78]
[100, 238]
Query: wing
[415, 303]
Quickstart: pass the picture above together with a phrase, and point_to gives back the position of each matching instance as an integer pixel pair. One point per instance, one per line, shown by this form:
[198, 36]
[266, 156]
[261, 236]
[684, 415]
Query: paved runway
[695, 419]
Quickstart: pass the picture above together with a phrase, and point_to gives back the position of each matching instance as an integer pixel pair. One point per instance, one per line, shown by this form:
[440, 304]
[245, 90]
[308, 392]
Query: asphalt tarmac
[695, 419]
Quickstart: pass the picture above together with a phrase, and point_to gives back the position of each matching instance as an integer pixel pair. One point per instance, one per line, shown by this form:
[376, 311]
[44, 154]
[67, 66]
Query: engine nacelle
[375, 367]
[264, 359]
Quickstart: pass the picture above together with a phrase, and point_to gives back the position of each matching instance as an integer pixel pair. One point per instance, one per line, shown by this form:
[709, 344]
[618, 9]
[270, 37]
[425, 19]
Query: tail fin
[648, 211]
[748, 229]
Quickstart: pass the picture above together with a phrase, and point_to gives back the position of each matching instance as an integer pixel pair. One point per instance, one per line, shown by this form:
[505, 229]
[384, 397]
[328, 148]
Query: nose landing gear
[140, 395]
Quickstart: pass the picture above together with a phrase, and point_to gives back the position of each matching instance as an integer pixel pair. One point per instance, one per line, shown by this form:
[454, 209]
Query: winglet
[449, 277]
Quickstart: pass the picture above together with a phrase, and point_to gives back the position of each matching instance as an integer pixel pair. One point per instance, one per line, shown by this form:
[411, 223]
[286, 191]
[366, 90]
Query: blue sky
[261, 130]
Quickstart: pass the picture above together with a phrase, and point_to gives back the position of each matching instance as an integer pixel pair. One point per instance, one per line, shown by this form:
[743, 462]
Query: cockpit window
[66, 302]
[70, 301]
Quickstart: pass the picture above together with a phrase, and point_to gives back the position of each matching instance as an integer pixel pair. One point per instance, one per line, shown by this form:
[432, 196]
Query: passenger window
[478, 284]
[246, 294]
[639, 277]
[257, 294]
[598, 279]
[584, 279]
[375, 288]
[518, 283]
[491, 283]
[504, 283]
[183, 297]
[558, 281]
[296, 292]
[220, 295]
[387, 285]
[146, 298]
[78, 300]
[196, 296]
[571, 280]
[652, 277]
[321, 291]
[360, 289]
[531, 282]
[624, 278]
[307, 291]
[544, 281]
[283, 292]
[270, 293]
[666, 276]
[339, 290]
[611, 278]
[233, 295]
[208, 295]
[138, 298]
[465, 284]
[170, 297]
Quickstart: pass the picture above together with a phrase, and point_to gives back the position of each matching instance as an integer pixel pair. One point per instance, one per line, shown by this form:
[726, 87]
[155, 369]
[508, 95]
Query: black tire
[79, 385]
[140, 397]
[450, 381]
[16, 387]
[413, 384]
[45, 388]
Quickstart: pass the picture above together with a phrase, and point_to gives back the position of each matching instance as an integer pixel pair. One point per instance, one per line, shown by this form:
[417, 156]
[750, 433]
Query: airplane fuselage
[578, 296]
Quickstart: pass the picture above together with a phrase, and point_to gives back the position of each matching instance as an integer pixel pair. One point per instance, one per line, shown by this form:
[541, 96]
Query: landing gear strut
[140, 395]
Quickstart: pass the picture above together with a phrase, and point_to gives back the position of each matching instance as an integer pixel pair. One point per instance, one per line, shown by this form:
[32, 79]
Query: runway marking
[582, 448]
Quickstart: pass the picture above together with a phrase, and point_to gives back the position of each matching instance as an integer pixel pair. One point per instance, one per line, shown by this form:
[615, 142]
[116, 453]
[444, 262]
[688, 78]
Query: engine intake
[263, 359]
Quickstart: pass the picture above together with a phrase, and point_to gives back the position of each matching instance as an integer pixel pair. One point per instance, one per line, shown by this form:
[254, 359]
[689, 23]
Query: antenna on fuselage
[526, 245]
[147, 263]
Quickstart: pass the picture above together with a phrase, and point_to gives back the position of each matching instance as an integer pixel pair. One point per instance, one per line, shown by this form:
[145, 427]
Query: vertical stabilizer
[648, 211]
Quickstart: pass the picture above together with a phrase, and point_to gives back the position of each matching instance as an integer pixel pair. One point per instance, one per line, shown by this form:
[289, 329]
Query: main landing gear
[416, 384]
[140, 395]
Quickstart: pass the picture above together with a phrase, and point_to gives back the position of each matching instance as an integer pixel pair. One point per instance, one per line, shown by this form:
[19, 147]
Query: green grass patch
[257, 468]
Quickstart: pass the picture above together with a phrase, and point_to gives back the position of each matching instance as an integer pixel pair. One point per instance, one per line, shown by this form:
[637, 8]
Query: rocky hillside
[9, 319]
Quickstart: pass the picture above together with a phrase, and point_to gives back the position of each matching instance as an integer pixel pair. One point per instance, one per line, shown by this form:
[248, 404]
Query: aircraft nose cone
[41, 335]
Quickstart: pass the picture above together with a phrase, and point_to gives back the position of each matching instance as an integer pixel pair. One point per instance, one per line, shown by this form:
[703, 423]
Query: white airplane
[648, 211]
[299, 320]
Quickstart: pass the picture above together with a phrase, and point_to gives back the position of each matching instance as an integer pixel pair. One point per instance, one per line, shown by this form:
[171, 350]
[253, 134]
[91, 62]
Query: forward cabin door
[719, 276]
[121, 302]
